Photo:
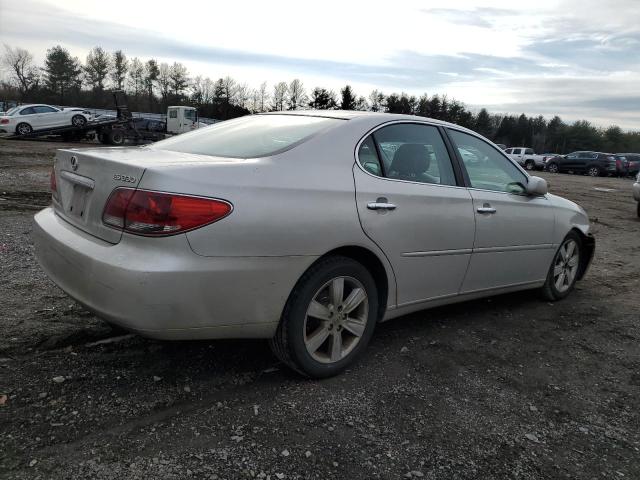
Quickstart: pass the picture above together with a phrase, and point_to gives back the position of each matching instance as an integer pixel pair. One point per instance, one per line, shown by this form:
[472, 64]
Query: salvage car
[304, 228]
[26, 119]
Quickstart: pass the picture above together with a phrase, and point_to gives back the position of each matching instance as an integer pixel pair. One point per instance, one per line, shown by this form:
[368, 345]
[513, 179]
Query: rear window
[249, 137]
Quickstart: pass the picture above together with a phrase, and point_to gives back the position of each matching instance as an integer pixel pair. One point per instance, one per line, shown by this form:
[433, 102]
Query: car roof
[373, 116]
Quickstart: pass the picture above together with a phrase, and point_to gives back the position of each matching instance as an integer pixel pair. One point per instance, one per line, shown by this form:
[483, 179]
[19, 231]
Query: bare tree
[178, 78]
[19, 61]
[279, 96]
[264, 96]
[242, 95]
[297, 97]
[376, 101]
[229, 89]
[164, 81]
[120, 65]
[136, 77]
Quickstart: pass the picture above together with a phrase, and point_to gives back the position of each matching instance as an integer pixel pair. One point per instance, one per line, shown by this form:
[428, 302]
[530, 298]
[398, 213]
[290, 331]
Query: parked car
[305, 228]
[25, 119]
[593, 164]
[526, 157]
[630, 161]
[636, 192]
[502, 146]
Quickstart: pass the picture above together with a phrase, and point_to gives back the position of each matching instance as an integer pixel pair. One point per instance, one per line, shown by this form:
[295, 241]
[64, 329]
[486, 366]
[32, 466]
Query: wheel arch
[382, 276]
[587, 249]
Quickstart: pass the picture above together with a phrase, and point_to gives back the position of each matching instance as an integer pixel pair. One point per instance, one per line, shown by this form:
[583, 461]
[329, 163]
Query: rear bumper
[636, 191]
[160, 288]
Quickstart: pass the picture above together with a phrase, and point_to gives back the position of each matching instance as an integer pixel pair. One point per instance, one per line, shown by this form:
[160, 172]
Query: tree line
[152, 86]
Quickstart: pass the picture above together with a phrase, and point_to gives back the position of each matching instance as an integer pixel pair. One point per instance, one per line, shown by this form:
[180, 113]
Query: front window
[249, 137]
[190, 115]
[488, 169]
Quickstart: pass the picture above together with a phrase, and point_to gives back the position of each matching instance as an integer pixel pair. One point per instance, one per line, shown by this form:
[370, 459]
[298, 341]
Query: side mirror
[537, 186]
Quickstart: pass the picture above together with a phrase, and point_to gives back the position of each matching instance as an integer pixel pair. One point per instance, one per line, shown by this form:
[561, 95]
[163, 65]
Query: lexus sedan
[304, 228]
[25, 119]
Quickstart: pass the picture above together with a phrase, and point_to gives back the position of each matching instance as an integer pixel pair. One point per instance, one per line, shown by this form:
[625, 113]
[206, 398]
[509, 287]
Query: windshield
[248, 137]
[190, 114]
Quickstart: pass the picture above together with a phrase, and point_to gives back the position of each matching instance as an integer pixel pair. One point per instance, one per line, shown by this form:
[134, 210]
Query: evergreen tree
[119, 68]
[323, 99]
[348, 100]
[97, 68]
[61, 72]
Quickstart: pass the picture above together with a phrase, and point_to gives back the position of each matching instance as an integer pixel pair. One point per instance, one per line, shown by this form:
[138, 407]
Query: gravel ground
[505, 387]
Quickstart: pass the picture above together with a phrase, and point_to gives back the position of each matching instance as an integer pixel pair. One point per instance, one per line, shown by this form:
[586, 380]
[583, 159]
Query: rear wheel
[24, 129]
[530, 165]
[329, 318]
[563, 272]
[115, 137]
[593, 171]
[78, 121]
[552, 168]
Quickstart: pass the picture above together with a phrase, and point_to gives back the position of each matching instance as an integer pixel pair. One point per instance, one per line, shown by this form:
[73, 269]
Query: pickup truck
[526, 157]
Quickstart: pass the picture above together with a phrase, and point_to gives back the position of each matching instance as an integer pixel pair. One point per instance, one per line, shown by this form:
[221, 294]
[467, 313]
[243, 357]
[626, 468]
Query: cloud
[476, 17]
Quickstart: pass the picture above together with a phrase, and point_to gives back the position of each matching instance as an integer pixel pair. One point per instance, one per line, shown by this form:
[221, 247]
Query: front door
[514, 231]
[411, 206]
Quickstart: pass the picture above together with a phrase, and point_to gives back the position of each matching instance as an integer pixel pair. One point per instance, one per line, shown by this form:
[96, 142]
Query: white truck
[181, 119]
[526, 157]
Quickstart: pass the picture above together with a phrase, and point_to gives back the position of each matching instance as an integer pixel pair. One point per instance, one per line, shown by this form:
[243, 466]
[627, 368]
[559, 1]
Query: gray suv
[594, 164]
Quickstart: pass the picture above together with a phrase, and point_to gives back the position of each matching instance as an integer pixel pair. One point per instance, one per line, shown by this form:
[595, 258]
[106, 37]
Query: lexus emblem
[74, 163]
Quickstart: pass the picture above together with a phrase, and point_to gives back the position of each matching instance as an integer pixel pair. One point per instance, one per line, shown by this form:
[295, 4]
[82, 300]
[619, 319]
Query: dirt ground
[505, 387]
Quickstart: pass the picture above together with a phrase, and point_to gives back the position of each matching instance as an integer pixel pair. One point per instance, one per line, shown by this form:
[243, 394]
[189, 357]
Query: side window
[27, 111]
[572, 156]
[415, 153]
[43, 109]
[487, 168]
[516, 151]
[509, 151]
[529, 151]
[173, 113]
[368, 157]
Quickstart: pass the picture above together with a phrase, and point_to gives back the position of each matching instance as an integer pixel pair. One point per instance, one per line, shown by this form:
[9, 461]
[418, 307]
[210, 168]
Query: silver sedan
[305, 228]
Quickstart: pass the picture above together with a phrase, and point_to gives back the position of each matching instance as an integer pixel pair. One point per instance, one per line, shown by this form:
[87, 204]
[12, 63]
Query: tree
[61, 71]
[242, 95]
[263, 96]
[296, 95]
[401, 104]
[164, 82]
[483, 123]
[323, 99]
[119, 68]
[20, 63]
[151, 73]
[376, 101]
[230, 89]
[136, 77]
[178, 78]
[348, 100]
[279, 96]
[96, 68]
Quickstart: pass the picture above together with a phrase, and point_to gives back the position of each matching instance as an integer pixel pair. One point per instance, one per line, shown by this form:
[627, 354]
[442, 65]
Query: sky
[579, 59]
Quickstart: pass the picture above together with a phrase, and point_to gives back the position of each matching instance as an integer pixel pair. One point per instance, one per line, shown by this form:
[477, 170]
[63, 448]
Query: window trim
[458, 178]
[464, 169]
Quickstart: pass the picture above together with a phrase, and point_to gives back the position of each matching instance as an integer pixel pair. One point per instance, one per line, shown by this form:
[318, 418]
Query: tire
[594, 171]
[530, 165]
[565, 264]
[638, 209]
[305, 342]
[78, 121]
[115, 137]
[553, 168]
[23, 129]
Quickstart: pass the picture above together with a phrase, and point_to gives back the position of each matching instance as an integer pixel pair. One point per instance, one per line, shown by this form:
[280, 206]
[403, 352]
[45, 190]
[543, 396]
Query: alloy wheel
[336, 319]
[24, 129]
[566, 265]
[78, 121]
[594, 172]
[553, 168]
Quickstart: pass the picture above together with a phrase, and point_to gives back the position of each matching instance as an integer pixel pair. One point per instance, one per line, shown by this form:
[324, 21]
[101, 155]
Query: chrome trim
[513, 248]
[438, 253]
[381, 206]
[78, 179]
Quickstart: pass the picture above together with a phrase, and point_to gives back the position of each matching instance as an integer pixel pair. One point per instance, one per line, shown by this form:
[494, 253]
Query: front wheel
[530, 165]
[593, 171]
[24, 129]
[552, 168]
[329, 318]
[563, 273]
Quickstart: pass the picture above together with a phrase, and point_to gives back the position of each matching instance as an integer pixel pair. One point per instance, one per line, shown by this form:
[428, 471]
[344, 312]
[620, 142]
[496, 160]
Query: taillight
[156, 214]
[4, 121]
[53, 184]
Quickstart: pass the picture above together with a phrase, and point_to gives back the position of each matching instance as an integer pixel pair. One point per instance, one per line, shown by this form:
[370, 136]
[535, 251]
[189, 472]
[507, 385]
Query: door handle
[486, 208]
[381, 204]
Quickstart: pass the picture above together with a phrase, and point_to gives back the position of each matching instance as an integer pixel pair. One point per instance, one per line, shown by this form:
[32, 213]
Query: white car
[526, 157]
[26, 119]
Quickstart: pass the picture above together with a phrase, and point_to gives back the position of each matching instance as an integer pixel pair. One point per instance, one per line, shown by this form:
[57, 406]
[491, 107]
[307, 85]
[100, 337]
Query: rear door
[514, 232]
[411, 206]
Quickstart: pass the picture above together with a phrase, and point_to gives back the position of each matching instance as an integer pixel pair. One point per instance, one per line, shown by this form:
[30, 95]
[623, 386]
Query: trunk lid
[86, 177]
